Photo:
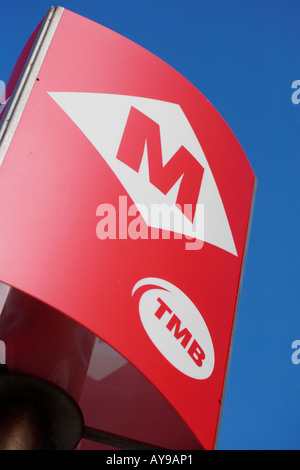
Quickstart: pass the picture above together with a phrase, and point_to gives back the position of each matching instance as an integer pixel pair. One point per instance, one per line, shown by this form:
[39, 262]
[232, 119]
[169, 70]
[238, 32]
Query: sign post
[125, 206]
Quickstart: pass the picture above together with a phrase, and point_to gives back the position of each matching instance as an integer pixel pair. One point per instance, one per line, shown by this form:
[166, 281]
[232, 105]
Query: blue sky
[243, 56]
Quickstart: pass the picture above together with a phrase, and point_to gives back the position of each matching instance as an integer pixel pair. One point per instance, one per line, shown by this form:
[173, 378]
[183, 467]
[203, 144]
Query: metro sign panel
[98, 125]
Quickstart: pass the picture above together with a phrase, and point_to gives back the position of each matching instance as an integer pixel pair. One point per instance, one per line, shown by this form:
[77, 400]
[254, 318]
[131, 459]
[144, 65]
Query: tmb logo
[176, 327]
[152, 149]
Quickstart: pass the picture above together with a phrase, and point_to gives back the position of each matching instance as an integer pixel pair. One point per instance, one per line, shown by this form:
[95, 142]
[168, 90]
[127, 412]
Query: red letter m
[139, 130]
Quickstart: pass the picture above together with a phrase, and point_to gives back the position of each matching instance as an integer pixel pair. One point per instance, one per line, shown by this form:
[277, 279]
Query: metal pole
[22, 427]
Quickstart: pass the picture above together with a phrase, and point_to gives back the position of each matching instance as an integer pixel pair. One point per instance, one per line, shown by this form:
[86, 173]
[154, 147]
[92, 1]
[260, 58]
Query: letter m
[175, 323]
[141, 130]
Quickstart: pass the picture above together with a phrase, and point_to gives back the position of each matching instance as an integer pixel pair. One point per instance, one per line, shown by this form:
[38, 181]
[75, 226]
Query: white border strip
[27, 79]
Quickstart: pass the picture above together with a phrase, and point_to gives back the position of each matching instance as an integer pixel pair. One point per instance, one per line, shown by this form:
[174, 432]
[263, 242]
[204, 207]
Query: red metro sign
[125, 202]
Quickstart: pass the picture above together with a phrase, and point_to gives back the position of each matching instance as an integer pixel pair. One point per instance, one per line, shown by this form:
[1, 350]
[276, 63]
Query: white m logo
[152, 149]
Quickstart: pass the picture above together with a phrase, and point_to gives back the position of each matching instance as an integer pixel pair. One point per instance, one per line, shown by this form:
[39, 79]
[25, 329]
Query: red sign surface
[125, 202]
